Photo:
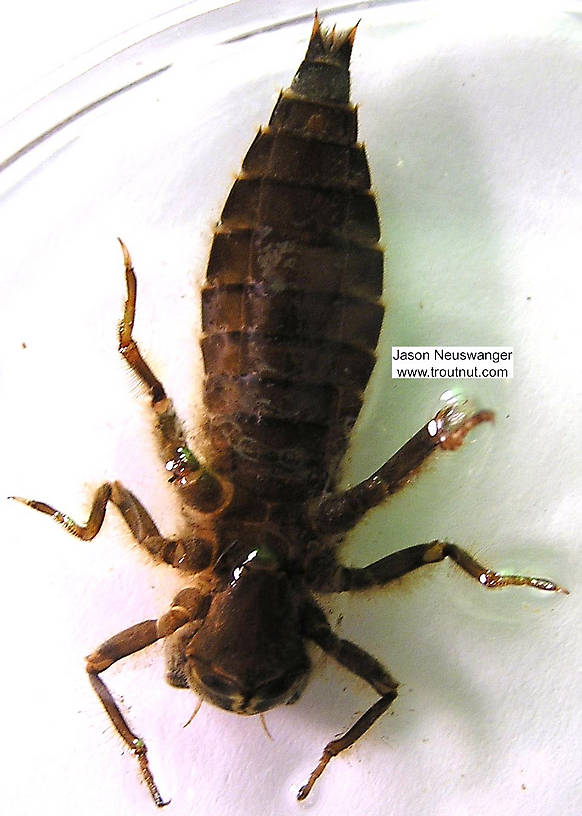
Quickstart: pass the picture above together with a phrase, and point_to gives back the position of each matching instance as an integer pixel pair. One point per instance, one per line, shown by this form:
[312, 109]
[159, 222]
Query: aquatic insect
[291, 314]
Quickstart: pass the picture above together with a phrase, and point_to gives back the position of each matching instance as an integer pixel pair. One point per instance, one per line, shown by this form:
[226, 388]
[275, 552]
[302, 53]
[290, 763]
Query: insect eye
[215, 682]
[278, 686]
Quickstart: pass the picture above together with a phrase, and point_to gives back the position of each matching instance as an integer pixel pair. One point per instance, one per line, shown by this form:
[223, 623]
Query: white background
[472, 121]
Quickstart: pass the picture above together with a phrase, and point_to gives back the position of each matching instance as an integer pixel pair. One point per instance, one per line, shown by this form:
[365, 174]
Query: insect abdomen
[291, 311]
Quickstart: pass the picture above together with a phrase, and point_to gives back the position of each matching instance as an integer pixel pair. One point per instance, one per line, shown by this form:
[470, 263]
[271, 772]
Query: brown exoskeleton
[291, 316]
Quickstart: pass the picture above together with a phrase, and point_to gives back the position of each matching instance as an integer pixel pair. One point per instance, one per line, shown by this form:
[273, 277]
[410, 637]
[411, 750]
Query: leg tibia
[133, 742]
[334, 747]
[486, 577]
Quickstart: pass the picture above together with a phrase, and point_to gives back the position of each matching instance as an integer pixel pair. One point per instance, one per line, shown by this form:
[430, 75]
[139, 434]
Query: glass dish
[472, 120]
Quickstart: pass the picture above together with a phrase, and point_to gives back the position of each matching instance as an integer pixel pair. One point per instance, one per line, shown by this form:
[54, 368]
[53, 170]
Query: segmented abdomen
[290, 310]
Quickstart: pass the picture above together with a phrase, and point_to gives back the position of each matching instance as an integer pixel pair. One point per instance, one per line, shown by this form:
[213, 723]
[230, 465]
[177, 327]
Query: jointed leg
[191, 554]
[317, 628]
[203, 489]
[121, 645]
[447, 430]
[86, 532]
[125, 643]
[339, 578]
